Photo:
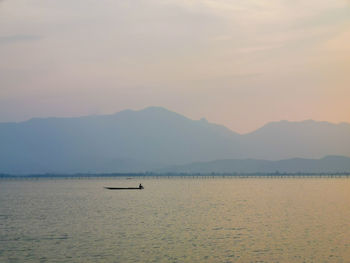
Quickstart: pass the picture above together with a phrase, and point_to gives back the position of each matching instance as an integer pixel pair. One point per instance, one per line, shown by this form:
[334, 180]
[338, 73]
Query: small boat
[125, 188]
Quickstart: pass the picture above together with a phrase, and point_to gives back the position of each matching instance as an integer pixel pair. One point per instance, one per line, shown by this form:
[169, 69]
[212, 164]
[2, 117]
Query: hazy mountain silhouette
[136, 141]
[335, 164]
[307, 139]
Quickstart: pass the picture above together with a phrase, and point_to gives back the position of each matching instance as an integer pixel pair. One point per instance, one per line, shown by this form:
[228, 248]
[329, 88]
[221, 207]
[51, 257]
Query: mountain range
[155, 139]
[328, 164]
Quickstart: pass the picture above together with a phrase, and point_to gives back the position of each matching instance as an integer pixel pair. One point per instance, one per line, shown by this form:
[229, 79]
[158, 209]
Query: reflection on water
[175, 220]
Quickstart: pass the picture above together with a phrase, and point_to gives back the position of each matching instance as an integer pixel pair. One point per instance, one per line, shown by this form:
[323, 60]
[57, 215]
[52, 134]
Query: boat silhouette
[125, 188]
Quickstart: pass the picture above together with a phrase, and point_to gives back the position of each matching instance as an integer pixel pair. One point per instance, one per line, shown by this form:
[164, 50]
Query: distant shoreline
[180, 175]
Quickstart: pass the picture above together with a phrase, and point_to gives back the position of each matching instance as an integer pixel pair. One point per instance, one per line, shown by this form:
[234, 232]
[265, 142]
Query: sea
[201, 219]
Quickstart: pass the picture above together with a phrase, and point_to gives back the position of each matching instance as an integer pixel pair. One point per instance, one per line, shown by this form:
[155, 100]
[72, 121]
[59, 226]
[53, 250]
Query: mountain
[306, 139]
[146, 140]
[334, 164]
[131, 141]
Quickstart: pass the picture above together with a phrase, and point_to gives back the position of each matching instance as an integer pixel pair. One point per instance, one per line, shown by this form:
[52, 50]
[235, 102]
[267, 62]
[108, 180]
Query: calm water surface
[175, 220]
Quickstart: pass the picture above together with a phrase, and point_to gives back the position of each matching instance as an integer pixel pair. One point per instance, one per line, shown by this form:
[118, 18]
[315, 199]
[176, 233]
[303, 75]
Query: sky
[240, 63]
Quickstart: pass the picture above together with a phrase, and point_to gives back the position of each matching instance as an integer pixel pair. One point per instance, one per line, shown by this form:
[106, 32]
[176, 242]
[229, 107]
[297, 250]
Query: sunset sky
[238, 63]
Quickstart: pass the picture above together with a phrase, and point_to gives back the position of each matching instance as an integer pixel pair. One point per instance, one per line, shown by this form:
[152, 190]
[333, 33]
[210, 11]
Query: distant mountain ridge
[305, 139]
[328, 164]
[153, 138]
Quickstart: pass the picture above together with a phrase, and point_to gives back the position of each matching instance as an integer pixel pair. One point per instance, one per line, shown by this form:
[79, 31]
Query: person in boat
[140, 186]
